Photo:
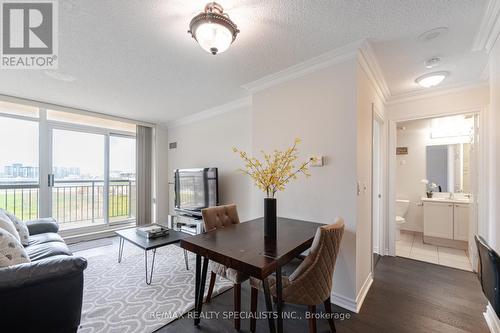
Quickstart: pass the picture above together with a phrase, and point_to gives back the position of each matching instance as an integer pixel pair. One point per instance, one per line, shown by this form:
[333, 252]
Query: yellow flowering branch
[276, 171]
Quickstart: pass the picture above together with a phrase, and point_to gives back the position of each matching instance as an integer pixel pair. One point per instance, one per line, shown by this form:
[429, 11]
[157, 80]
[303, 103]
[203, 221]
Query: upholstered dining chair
[217, 218]
[311, 283]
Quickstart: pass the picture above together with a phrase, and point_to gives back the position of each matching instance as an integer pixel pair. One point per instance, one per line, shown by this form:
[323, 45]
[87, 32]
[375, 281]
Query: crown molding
[212, 112]
[421, 94]
[368, 61]
[485, 74]
[325, 60]
[489, 30]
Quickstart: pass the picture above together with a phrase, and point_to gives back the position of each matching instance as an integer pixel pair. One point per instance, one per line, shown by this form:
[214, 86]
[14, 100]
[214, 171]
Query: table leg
[197, 285]
[120, 249]
[186, 259]
[201, 291]
[269, 305]
[279, 299]
[152, 266]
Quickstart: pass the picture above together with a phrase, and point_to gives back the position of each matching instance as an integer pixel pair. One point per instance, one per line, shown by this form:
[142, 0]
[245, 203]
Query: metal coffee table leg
[152, 266]
[120, 249]
[186, 259]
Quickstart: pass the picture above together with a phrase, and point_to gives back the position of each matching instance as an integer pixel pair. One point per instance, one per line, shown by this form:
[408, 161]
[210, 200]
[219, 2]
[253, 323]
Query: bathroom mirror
[449, 166]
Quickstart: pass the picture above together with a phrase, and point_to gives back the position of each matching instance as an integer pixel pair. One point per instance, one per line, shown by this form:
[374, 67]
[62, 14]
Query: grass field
[68, 204]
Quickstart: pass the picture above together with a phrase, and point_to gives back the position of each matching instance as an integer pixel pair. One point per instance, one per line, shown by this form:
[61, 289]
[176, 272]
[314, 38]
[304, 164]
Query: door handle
[50, 180]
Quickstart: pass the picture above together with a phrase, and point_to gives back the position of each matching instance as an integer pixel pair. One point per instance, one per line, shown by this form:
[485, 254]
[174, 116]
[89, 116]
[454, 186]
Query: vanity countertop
[447, 200]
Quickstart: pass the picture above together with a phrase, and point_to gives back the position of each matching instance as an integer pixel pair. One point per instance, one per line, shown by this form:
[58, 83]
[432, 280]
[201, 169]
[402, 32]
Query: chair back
[220, 217]
[489, 272]
[313, 277]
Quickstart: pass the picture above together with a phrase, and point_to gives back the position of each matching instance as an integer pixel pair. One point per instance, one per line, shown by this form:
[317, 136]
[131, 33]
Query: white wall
[320, 109]
[494, 167]
[436, 104]
[209, 143]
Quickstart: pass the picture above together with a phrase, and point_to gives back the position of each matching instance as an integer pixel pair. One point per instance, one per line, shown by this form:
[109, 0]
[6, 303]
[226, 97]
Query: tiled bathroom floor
[410, 245]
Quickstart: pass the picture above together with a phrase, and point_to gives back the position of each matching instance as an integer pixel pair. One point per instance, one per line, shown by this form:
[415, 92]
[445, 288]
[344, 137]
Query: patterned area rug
[116, 297]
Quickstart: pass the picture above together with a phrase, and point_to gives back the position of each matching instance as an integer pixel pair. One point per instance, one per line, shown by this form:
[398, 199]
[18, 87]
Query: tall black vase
[270, 227]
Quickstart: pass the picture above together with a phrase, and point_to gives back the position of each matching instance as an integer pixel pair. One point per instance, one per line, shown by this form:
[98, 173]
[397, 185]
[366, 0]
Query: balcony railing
[72, 200]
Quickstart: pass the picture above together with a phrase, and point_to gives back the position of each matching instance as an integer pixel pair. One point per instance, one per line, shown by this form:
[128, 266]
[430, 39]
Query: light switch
[318, 161]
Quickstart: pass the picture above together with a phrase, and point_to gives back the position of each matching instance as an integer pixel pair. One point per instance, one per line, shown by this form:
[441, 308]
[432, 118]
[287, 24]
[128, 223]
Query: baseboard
[492, 319]
[364, 291]
[350, 304]
[344, 302]
[72, 239]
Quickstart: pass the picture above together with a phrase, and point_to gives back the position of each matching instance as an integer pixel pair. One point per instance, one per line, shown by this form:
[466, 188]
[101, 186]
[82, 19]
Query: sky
[19, 144]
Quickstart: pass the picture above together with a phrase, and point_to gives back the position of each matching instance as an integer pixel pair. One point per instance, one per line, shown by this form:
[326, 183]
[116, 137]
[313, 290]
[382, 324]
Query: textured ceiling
[134, 58]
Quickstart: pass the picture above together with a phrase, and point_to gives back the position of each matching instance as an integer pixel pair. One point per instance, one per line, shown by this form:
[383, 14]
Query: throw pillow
[6, 224]
[11, 250]
[21, 228]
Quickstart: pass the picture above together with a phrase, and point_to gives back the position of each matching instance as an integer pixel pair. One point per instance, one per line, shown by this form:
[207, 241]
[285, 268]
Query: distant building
[18, 170]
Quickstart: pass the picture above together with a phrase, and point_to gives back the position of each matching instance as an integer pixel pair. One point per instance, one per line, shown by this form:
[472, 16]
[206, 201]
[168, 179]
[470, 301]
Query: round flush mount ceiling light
[431, 79]
[432, 34]
[213, 29]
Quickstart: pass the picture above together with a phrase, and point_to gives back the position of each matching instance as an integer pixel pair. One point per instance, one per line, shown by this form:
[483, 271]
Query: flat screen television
[196, 189]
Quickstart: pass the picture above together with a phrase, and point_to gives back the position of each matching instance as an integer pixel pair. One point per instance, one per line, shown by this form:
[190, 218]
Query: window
[83, 175]
[19, 168]
[122, 189]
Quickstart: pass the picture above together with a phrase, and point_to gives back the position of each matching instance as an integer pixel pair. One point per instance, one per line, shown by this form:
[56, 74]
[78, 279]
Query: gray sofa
[44, 295]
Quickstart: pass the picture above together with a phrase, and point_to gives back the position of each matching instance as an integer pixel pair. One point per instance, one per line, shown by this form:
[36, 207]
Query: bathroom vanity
[446, 221]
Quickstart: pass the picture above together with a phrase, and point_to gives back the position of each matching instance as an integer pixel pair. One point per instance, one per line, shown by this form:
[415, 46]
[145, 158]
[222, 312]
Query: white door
[438, 220]
[77, 181]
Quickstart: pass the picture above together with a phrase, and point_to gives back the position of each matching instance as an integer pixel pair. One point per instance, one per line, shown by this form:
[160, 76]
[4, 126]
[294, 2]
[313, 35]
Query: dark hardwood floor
[406, 296]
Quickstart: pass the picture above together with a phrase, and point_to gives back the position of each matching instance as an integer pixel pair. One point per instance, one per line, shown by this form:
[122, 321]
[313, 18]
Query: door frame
[481, 159]
[378, 198]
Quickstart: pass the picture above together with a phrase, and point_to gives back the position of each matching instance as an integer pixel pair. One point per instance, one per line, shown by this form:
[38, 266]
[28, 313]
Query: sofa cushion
[11, 250]
[45, 238]
[7, 225]
[45, 250]
[21, 228]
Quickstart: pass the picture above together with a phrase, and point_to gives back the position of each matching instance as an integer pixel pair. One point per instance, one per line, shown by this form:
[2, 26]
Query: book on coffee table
[152, 231]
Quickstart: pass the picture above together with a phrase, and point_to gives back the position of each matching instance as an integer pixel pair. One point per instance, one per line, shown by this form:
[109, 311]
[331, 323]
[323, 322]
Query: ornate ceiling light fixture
[213, 29]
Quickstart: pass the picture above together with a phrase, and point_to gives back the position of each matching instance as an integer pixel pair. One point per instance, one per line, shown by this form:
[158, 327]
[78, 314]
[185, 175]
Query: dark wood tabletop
[152, 243]
[244, 248]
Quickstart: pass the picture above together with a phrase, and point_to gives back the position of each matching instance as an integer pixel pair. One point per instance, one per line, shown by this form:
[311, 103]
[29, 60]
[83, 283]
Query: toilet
[402, 207]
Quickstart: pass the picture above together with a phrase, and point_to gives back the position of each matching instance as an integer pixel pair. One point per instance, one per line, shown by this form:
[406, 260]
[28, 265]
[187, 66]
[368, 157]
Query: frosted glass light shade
[213, 38]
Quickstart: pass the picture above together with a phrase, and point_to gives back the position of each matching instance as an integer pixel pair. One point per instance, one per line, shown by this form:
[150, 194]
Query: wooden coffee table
[146, 244]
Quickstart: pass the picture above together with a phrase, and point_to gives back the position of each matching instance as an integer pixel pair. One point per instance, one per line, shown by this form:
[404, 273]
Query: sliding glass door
[77, 168]
[77, 179]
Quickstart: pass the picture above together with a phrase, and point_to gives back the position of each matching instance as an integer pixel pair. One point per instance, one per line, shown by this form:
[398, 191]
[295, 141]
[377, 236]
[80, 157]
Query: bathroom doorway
[435, 177]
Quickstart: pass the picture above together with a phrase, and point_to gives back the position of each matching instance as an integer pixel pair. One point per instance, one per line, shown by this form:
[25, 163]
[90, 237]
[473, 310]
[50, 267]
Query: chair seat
[257, 284]
[228, 273]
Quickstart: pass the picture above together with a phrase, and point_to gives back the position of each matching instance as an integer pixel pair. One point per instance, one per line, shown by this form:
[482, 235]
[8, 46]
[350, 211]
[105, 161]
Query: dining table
[243, 247]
